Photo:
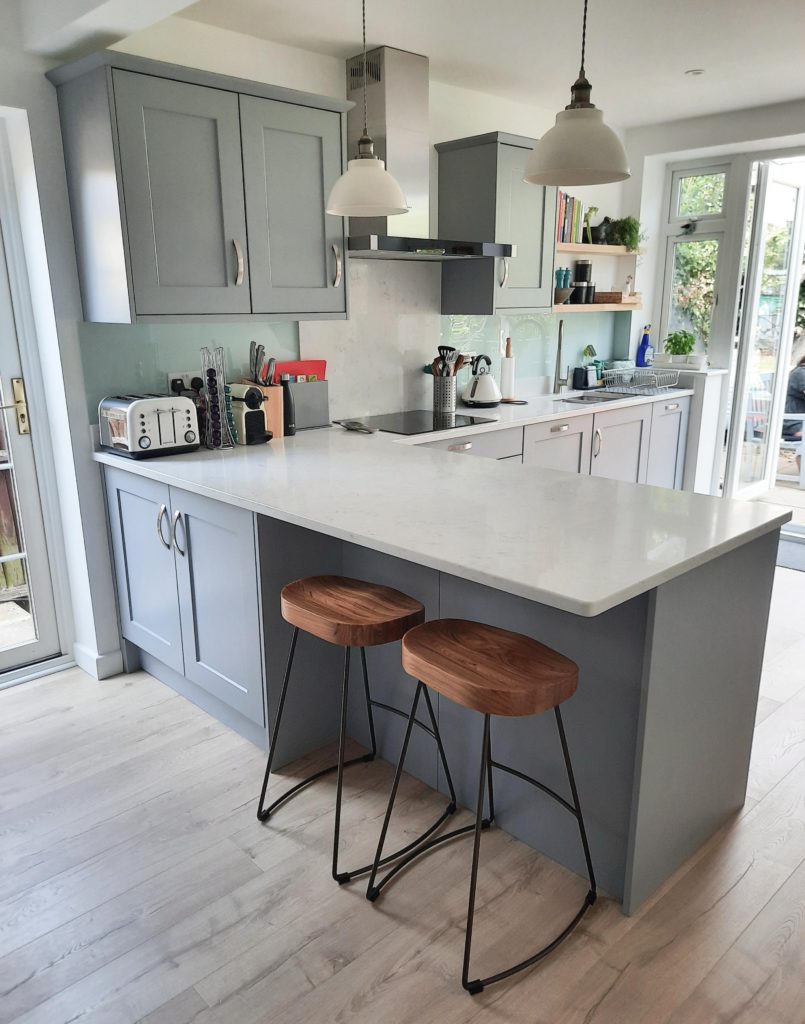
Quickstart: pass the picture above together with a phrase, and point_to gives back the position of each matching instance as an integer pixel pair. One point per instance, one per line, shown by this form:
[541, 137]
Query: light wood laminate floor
[137, 885]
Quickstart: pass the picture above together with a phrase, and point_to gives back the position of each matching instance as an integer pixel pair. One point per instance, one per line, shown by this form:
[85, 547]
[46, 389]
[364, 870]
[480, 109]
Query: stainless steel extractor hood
[397, 119]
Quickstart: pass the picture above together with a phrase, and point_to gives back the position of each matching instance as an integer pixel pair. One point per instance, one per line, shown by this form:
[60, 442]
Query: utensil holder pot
[444, 394]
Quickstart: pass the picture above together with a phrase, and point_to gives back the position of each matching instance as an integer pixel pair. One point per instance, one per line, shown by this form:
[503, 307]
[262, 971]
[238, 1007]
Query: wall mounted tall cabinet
[199, 195]
[482, 195]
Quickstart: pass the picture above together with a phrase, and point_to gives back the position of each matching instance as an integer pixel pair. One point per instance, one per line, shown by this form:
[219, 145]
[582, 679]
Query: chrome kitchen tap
[558, 381]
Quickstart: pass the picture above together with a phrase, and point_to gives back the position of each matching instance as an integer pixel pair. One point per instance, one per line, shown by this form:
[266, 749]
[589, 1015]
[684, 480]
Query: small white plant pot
[697, 362]
[679, 359]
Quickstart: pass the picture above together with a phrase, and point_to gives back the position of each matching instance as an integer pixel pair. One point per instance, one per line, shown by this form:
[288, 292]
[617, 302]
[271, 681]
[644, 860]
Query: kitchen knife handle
[239, 262]
[163, 511]
[177, 518]
[339, 265]
[597, 439]
[505, 280]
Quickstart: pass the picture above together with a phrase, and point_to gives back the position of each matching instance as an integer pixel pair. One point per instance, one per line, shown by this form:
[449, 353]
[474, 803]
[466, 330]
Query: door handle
[597, 439]
[339, 265]
[560, 429]
[177, 518]
[465, 447]
[505, 280]
[19, 405]
[239, 264]
[163, 511]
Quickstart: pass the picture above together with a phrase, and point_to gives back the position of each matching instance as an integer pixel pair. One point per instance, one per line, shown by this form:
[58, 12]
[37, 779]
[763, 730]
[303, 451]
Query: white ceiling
[528, 50]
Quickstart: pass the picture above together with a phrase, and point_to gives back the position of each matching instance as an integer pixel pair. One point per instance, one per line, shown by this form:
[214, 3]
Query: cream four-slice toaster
[142, 426]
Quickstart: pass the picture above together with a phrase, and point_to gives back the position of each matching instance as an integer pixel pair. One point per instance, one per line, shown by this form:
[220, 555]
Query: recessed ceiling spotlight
[695, 71]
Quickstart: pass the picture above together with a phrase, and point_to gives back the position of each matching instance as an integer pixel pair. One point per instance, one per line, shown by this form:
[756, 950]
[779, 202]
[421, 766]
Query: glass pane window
[701, 195]
[693, 280]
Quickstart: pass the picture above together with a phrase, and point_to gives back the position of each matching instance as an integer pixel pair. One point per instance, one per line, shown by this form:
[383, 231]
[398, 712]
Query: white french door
[766, 330]
[28, 626]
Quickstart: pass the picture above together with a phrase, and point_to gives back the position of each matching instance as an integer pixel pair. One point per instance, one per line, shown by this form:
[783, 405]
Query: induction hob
[422, 421]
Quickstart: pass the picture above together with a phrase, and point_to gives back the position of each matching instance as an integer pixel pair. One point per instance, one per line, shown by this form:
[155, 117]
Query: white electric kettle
[482, 389]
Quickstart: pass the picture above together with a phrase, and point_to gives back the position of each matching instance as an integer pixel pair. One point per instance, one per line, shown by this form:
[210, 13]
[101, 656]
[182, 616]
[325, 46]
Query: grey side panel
[389, 682]
[600, 719]
[291, 159]
[92, 183]
[310, 720]
[219, 601]
[467, 182]
[469, 288]
[701, 684]
[144, 568]
[183, 188]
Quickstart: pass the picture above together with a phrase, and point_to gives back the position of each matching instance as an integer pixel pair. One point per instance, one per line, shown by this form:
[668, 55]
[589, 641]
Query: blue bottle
[645, 351]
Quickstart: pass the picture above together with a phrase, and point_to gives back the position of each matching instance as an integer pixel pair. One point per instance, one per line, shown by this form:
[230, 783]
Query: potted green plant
[679, 345]
[626, 232]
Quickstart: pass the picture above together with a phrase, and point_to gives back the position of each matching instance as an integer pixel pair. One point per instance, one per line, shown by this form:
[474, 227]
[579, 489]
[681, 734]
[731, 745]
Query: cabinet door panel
[219, 601]
[560, 444]
[620, 444]
[183, 190]
[291, 159]
[525, 216]
[669, 432]
[144, 566]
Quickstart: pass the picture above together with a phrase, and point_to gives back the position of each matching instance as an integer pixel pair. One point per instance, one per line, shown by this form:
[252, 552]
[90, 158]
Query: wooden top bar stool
[494, 672]
[349, 613]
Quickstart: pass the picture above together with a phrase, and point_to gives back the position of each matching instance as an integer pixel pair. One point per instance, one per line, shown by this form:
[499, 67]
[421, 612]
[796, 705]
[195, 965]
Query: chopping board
[295, 367]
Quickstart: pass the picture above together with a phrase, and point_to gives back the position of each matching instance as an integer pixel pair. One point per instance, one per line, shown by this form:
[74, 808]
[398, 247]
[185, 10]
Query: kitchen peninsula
[661, 596]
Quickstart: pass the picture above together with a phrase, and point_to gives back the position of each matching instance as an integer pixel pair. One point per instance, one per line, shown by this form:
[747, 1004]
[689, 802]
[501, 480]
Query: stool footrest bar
[539, 785]
[402, 714]
[264, 815]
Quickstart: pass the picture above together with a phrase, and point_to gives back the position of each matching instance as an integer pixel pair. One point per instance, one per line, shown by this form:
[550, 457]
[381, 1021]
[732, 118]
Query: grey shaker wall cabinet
[189, 593]
[482, 195]
[165, 166]
[291, 160]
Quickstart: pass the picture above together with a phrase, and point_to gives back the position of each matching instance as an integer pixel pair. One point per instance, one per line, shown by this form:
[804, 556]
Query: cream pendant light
[580, 149]
[367, 189]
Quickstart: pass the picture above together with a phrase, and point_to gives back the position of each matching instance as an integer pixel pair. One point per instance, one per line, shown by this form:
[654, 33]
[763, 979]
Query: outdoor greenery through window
[701, 195]
[693, 283]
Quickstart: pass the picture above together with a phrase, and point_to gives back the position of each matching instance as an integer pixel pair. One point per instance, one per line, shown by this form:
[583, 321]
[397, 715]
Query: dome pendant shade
[366, 190]
[579, 150]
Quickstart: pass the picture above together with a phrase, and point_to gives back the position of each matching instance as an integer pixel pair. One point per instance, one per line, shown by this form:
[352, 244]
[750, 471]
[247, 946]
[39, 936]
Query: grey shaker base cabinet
[189, 592]
[168, 167]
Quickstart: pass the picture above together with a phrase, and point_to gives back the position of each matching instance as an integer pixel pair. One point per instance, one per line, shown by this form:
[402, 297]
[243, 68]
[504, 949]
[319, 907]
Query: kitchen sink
[594, 399]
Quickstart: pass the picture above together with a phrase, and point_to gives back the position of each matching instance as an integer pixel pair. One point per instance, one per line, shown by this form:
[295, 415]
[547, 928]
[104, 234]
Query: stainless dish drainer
[640, 381]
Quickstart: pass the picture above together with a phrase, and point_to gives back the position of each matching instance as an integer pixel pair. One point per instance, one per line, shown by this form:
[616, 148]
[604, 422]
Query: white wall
[32, 118]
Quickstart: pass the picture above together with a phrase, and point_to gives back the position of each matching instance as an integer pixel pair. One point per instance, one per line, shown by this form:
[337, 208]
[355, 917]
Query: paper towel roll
[507, 377]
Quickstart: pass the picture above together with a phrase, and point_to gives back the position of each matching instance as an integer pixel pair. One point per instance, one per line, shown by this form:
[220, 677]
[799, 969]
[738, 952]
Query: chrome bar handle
[339, 265]
[672, 407]
[240, 264]
[465, 447]
[560, 429]
[163, 511]
[177, 518]
[597, 439]
[505, 280]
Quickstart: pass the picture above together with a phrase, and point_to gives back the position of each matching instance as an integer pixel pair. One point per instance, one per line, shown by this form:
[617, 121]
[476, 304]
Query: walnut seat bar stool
[494, 672]
[350, 613]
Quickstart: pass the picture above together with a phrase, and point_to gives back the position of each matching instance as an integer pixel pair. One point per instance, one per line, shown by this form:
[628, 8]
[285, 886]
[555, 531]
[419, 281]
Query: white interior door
[28, 628]
[766, 331]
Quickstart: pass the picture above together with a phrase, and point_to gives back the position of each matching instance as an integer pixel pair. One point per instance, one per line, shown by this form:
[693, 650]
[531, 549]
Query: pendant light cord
[364, 17]
[583, 39]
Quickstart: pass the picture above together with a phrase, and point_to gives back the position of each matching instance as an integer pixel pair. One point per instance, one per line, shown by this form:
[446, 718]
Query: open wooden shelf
[584, 249]
[598, 307]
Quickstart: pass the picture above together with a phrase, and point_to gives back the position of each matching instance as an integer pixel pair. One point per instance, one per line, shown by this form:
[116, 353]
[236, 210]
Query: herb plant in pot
[679, 345]
[625, 232]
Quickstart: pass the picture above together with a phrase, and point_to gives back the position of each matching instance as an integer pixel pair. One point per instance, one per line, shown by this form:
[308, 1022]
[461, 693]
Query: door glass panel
[693, 281]
[17, 624]
[701, 195]
[763, 332]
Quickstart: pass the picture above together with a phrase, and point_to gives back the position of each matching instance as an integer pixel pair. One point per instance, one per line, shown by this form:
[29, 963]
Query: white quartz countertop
[578, 543]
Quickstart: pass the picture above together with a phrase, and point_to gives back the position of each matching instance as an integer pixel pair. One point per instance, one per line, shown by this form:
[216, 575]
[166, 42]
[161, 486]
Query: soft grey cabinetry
[494, 444]
[560, 444]
[620, 443]
[183, 193]
[187, 582]
[669, 434]
[140, 527]
[291, 159]
[482, 196]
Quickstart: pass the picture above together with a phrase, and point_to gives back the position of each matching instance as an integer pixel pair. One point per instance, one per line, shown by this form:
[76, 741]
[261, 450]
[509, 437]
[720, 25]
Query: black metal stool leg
[437, 736]
[369, 714]
[371, 891]
[342, 738]
[491, 817]
[264, 813]
[571, 779]
[473, 987]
